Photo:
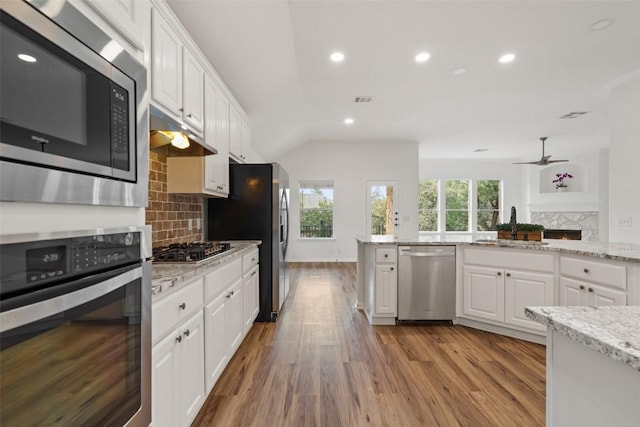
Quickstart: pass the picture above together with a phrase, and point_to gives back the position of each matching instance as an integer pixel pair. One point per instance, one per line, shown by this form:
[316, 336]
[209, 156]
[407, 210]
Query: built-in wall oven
[73, 121]
[75, 343]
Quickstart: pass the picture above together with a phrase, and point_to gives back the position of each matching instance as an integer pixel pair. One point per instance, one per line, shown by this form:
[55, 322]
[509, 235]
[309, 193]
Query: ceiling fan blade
[528, 163]
[557, 161]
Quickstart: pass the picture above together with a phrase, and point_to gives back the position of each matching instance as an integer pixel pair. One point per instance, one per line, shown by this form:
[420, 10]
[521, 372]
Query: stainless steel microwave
[73, 122]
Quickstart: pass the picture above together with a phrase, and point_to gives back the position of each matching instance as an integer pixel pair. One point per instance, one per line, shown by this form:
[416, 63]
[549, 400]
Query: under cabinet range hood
[167, 136]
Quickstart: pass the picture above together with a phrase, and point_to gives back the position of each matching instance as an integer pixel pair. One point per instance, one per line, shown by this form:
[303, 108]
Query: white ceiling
[274, 56]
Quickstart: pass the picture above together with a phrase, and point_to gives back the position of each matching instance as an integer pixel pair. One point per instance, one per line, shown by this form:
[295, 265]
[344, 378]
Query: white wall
[624, 159]
[350, 165]
[510, 174]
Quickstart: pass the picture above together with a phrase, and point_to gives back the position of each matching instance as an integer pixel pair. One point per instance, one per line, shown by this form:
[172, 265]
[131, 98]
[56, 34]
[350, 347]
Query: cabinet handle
[182, 306]
[508, 274]
[186, 333]
[590, 289]
[586, 270]
[499, 273]
[179, 339]
[581, 287]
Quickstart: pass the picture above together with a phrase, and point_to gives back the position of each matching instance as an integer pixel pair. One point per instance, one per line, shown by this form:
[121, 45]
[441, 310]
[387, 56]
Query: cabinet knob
[391, 269]
[386, 255]
[581, 287]
[508, 274]
[182, 306]
[186, 333]
[189, 115]
[181, 109]
[179, 339]
[228, 296]
[499, 273]
[586, 270]
[590, 289]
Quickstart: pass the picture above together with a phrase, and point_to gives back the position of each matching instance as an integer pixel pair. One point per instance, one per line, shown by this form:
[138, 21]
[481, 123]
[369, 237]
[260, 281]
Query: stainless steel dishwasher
[426, 282]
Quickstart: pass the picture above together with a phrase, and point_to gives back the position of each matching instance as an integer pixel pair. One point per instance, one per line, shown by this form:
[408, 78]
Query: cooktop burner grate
[189, 252]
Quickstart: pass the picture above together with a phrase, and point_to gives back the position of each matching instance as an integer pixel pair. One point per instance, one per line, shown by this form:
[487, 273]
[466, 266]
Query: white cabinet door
[599, 296]
[572, 292]
[250, 288]
[216, 133]
[235, 315]
[125, 16]
[193, 91]
[235, 133]
[246, 139]
[526, 289]
[216, 340]
[484, 293]
[191, 377]
[255, 288]
[166, 65]
[222, 139]
[386, 290]
[165, 393]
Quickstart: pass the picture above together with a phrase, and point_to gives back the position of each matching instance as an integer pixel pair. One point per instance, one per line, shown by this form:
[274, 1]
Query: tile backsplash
[169, 214]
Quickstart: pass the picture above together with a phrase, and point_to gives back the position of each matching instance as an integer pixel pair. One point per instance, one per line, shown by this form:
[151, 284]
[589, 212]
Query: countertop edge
[614, 347]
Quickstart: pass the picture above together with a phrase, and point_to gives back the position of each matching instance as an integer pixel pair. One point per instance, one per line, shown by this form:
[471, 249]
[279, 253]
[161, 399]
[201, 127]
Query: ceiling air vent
[574, 114]
[362, 99]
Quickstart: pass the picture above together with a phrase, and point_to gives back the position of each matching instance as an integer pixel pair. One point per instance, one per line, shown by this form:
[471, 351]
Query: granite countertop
[612, 330]
[615, 251]
[169, 276]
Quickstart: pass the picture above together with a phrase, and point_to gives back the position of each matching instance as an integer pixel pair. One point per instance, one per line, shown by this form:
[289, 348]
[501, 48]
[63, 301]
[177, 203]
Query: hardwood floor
[322, 364]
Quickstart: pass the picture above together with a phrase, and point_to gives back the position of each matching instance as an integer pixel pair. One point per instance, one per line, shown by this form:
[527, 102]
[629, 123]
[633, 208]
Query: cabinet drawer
[386, 255]
[249, 261]
[218, 280]
[520, 260]
[175, 308]
[594, 271]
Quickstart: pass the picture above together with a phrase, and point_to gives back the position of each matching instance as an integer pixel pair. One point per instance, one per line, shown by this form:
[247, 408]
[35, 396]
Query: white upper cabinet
[217, 135]
[166, 65]
[235, 133]
[192, 90]
[246, 139]
[125, 16]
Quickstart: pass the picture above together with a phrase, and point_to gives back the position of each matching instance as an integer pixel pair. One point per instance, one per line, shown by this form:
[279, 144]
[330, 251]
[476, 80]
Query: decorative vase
[561, 188]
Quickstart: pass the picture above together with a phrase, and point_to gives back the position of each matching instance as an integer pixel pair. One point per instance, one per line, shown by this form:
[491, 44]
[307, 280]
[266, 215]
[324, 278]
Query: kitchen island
[593, 365]
[497, 279]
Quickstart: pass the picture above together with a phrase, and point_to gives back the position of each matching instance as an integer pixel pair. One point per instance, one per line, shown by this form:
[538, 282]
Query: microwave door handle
[33, 307]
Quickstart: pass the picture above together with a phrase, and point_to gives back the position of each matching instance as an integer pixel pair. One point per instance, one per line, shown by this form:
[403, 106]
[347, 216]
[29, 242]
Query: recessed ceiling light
[480, 150]
[459, 71]
[506, 58]
[601, 24]
[26, 58]
[422, 57]
[337, 56]
[348, 121]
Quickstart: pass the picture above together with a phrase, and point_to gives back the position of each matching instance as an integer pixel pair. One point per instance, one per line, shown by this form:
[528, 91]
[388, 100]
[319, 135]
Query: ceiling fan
[544, 160]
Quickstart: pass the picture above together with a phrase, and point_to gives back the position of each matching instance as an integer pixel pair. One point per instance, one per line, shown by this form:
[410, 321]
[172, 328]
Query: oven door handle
[96, 287]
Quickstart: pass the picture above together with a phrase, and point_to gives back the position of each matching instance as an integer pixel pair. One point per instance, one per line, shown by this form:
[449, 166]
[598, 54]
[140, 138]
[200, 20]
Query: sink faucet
[513, 223]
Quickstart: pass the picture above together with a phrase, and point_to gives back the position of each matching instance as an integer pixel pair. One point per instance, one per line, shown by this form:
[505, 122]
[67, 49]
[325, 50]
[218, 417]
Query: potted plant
[559, 181]
[529, 232]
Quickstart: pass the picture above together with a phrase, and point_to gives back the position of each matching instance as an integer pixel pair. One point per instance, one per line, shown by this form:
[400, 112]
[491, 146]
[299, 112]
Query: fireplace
[562, 234]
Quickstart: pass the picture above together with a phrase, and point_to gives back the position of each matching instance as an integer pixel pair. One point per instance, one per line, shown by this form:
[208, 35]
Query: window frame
[317, 185]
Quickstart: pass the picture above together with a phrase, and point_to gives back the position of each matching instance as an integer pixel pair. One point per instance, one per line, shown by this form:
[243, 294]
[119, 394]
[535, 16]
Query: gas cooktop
[189, 253]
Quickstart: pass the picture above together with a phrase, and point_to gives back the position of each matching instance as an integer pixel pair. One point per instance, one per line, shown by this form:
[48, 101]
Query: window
[488, 208]
[316, 209]
[457, 205]
[428, 205]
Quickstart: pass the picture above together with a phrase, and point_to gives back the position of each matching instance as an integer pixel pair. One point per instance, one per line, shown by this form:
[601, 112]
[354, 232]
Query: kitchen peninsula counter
[168, 277]
[593, 364]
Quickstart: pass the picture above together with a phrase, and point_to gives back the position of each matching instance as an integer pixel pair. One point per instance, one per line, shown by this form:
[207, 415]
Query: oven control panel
[26, 264]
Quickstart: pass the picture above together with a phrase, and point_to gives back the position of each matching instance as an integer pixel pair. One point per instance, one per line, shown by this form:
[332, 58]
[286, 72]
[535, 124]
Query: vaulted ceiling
[274, 56]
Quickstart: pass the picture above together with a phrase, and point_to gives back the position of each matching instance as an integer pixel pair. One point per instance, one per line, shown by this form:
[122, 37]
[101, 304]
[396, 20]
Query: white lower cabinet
[223, 326]
[386, 290]
[178, 375]
[577, 292]
[501, 293]
[250, 283]
[585, 281]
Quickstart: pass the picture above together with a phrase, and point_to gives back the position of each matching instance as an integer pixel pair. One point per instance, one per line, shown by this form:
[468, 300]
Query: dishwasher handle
[427, 254]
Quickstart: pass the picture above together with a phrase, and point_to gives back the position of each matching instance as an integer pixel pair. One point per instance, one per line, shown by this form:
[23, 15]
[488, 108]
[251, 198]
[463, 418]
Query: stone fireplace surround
[585, 221]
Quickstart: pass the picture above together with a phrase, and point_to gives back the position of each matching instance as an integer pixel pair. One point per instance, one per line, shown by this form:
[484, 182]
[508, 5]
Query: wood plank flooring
[322, 364]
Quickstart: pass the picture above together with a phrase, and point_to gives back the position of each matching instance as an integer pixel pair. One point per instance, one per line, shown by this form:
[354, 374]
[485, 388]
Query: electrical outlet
[190, 224]
[624, 221]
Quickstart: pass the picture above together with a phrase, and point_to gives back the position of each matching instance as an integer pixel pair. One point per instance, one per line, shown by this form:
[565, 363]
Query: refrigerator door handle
[285, 207]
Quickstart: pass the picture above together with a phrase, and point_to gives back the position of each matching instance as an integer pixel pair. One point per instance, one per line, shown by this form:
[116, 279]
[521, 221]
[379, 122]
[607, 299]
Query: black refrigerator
[257, 209]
